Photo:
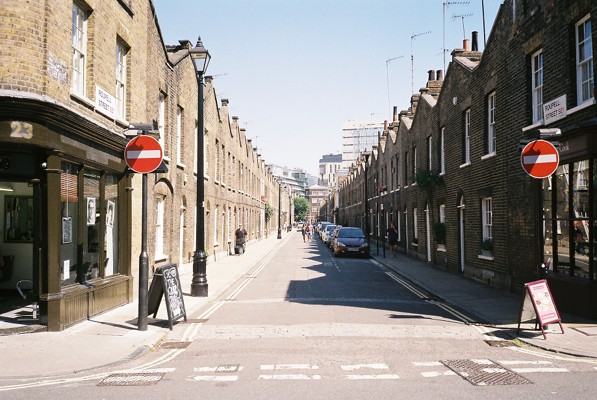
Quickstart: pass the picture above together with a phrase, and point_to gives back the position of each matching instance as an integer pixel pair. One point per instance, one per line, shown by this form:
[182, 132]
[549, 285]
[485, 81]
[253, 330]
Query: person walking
[304, 232]
[310, 232]
[392, 235]
[241, 239]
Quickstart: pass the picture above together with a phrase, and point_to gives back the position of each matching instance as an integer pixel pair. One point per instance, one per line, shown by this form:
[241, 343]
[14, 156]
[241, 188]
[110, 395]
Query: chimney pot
[475, 41]
[440, 75]
[431, 75]
[466, 44]
[395, 113]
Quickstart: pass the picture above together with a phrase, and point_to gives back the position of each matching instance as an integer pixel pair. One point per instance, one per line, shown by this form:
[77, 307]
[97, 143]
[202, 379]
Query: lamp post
[279, 210]
[200, 57]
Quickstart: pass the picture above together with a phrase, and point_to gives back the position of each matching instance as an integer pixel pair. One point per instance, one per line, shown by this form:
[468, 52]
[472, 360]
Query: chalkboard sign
[544, 310]
[166, 282]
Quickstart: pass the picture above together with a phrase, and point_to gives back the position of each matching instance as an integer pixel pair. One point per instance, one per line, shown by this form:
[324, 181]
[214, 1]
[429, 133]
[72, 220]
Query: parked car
[322, 226]
[350, 240]
[333, 235]
[325, 233]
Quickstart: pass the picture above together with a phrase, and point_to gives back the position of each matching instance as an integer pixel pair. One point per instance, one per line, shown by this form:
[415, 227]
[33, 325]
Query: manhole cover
[175, 345]
[500, 343]
[484, 372]
[132, 379]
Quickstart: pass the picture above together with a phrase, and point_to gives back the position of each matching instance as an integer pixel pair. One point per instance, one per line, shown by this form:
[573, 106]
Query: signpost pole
[143, 262]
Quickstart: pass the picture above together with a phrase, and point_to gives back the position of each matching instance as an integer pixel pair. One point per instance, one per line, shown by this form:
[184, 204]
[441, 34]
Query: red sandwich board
[540, 159]
[544, 309]
[143, 154]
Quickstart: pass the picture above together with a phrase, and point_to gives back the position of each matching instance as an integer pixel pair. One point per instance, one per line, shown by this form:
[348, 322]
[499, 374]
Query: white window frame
[415, 224]
[159, 228]
[491, 135]
[467, 136]
[584, 61]
[430, 153]
[442, 213]
[179, 112]
[121, 59]
[487, 216]
[537, 85]
[162, 120]
[442, 154]
[79, 50]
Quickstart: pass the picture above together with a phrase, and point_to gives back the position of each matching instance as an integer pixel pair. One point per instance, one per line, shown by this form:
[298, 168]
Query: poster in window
[67, 230]
[110, 214]
[91, 211]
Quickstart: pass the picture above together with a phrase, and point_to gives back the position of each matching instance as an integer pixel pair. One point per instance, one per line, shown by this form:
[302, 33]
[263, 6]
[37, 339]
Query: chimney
[385, 125]
[475, 41]
[466, 43]
[440, 75]
[395, 119]
[431, 75]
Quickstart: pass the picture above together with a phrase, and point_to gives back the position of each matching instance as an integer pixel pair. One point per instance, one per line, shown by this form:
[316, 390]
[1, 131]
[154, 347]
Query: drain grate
[175, 345]
[484, 372]
[132, 379]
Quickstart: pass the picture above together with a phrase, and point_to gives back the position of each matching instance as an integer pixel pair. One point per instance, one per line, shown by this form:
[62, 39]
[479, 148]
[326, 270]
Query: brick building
[448, 169]
[74, 75]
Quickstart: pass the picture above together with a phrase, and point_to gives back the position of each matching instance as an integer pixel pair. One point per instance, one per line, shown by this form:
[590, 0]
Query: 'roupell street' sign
[544, 309]
[554, 110]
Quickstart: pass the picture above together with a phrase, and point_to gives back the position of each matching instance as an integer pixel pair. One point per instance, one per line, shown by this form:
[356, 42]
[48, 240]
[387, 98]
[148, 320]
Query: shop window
[159, 228]
[69, 202]
[111, 265]
[89, 267]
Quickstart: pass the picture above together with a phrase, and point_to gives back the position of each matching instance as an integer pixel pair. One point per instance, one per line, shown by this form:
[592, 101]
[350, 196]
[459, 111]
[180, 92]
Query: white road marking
[427, 364]
[289, 377]
[533, 370]
[372, 377]
[277, 367]
[212, 378]
[361, 366]
[433, 374]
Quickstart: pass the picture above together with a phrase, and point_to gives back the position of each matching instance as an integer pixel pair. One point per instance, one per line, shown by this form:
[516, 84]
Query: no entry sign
[143, 154]
[540, 159]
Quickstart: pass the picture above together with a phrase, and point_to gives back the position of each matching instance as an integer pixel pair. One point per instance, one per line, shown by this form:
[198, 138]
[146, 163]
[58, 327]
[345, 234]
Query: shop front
[65, 217]
[570, 224]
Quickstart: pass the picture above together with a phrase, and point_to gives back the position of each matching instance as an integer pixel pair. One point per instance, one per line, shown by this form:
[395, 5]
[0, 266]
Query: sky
[295, 71]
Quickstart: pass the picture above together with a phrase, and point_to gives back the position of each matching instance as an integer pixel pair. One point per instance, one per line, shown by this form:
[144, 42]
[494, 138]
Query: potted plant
[486, 247]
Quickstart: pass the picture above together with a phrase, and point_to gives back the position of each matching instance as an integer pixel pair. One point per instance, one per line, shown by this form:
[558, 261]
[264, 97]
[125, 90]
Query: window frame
[442, 154]
[467, 136]
[487, 218]
[587, 43]
[537, 86]
[79, 39]
[491, 128]
[121, 80]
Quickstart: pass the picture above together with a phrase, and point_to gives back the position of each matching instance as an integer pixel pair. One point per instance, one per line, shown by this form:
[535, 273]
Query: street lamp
[279, 210]
[200, 57]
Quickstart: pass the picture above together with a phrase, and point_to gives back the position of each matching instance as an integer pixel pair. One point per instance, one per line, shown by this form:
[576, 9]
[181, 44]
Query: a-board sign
[166, 282]
[538, 304]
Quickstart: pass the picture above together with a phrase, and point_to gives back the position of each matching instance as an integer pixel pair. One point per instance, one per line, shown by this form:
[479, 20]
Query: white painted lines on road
[367, 367]
[274, 375]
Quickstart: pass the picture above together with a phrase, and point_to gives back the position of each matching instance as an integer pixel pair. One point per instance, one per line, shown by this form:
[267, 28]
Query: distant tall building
[296, 178]
[358, 136]
[329, 165]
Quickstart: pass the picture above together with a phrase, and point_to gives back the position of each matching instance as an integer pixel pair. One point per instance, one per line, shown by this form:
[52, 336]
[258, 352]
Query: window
[487, 218]
[429, 153]
[121, 53]
[415, 224]
[79, 49]
[467, 136]
[442, 213]
[162, 120]
[584, 61]
[179, 135]
[491, 139]
[159, 228]
[442, 156]
[537, 85]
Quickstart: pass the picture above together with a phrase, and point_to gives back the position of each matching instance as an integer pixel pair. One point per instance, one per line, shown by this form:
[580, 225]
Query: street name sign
[539, 159]
[143, 154]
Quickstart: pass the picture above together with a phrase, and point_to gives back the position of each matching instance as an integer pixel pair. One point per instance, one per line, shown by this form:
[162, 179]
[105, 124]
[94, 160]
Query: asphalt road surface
[305, 325]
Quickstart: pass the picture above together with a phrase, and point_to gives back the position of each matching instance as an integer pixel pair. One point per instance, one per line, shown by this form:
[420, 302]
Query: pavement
[112, 339]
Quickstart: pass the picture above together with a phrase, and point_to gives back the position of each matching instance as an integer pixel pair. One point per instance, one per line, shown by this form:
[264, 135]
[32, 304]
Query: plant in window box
[486, 247]
[439, 233]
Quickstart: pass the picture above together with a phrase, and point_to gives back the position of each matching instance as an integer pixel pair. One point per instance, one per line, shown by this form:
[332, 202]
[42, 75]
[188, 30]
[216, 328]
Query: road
[305, 325]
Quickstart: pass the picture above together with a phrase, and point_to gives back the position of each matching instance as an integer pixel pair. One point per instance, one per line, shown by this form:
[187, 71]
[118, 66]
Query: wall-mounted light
[5, 187]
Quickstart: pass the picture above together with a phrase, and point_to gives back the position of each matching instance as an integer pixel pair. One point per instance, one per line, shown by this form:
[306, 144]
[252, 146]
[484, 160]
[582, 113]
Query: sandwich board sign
[166, 283]
[538, 304]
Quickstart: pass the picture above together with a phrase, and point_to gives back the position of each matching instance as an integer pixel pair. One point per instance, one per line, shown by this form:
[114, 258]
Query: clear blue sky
[295, 71]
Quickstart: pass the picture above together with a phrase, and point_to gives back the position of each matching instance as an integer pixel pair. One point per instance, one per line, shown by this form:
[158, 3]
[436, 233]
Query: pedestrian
[304, 232]
[392, 235]
[241, 240]
[310, 232]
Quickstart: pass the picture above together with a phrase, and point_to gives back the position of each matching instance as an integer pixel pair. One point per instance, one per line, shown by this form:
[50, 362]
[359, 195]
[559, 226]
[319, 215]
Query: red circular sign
[143, 154]
[540, 159]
